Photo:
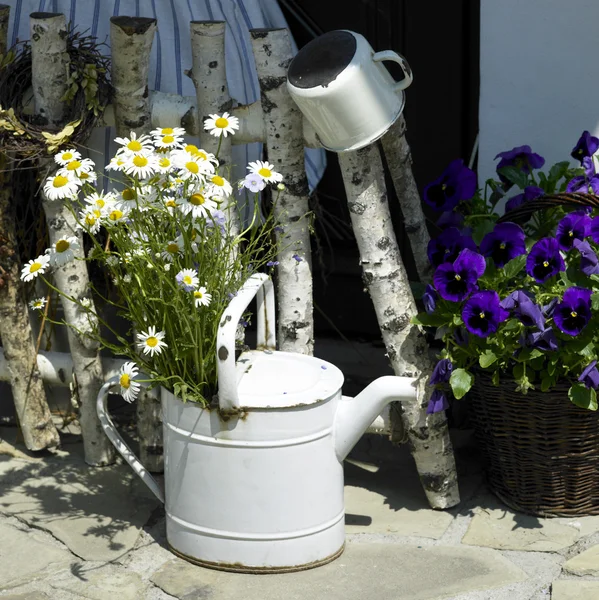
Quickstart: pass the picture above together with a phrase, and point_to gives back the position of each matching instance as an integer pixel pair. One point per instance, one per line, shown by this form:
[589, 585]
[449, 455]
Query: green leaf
[595, 300]
[515, 175]
[481, 229]
[588, 351]
[558, 170]
[495, 378]
[582, 396]
[511, 325]
[487, 358]
[546, 383]
[514, 266]
[461, 381]
[428, 320]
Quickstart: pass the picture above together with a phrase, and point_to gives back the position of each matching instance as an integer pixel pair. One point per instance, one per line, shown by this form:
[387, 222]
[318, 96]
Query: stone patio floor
[68, 532]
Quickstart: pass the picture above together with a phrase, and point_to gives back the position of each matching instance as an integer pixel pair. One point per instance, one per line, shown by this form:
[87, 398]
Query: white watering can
[257, 486]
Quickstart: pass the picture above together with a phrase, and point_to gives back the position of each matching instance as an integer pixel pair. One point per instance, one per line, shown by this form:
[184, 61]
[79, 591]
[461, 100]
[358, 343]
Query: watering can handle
[119, 444]
[402, 62]
[259, 284]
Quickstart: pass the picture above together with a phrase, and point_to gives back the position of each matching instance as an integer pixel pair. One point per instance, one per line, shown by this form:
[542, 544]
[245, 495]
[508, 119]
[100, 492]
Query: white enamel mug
[343, 89]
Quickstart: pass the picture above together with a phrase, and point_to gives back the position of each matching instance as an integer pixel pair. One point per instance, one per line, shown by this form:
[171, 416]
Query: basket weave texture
[541, 451]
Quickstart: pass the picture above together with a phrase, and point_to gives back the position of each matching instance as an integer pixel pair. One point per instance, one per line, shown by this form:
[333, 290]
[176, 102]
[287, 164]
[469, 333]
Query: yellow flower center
[97, 213]
[571, 233]
[187, 280]
[128, 194]
[62, 245]
[168, 139]
[152, 341]
[502, 246]
[167, 131]
[171, 203]
[481, 315]
[191, 149]
[134, 146]
[545, 263]
[198, 295]
[172, 248]
[89, 220]
[73, 165]
[265, 172]
[574, 313]
[100, 202]
[458, 277]
[164, 162]
[84, 176]
[36, 266]
[444, 187]
[67, 156]
[115, 215]
[221, 123]
[125, 381]
[192, 167]
[218, 180]
[140, 161]
[197, 200]
[60, 181]
[202, 155]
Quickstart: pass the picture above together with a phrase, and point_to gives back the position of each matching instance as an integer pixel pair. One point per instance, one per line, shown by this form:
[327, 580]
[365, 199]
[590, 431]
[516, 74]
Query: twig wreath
[25, 136]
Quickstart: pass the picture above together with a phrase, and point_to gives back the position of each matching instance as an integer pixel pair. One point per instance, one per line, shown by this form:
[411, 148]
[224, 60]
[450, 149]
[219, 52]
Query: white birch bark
[49, 75]
[209, 77]
[19, 353]
[385, 278]
[285, 144]
[399, 161]
[131, 43]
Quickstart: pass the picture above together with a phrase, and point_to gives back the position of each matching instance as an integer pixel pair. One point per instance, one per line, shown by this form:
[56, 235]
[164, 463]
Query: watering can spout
[354, 415]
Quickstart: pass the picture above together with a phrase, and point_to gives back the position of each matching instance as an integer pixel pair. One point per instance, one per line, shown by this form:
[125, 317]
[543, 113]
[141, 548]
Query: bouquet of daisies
[169, 237]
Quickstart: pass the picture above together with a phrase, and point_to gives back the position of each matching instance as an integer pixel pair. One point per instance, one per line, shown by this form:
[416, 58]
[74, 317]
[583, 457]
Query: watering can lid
[267, 379]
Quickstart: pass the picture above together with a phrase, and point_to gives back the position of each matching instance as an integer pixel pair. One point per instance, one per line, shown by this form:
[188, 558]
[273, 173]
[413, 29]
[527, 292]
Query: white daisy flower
[187, 279]
[88, 177]
[168, 141]
[60, 186]
[159, 132]
[190, 166]
[63, 251]
[117, 163]
[191, 149]
[100, 200]
[86, 302]
[207, 156]
[201, 297]
[112, 261]
[173, 248]
[221, 125]
[198, 205]
[38, 303]
[117, 214]
[170, 204]
[164, 164]
[134, 144]
[151, 341]
[129, 387]
[90, 219]
[66, 156]
[142, 165]
[265, 170]
[219, 186]
[35, 267]
[77, 166]
[127, 197]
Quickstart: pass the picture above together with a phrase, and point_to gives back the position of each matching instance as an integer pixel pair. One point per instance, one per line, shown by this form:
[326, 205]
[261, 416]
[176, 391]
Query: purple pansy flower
[505, 242]
[447, 246]
[482, 313]
[573, 313]
[544, 260]
[574, 226]
[589, 263]
[521, 157]
[590, 376]
[543, 340]
[549, 309]
[437, 403]
[529, 313]
[586, 146]
[456, 281]
[581, 183]
[530, 193]
[441, 372]
[594, 230]
[449, 218]
[429, 298]
[456, 183]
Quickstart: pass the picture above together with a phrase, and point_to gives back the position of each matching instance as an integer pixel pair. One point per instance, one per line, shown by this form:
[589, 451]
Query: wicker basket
[541, 451]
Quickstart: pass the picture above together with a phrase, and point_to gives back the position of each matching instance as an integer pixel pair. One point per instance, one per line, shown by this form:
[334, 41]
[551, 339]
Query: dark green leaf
[428, 320]
[495, 378]
[546, 383]
[588, 351]
[558, 170]
[461, 381]
[582, 396]
[514, 266]
[486, 359]
[515, 175]
[511, 325]
[481, 229]
[595, 300]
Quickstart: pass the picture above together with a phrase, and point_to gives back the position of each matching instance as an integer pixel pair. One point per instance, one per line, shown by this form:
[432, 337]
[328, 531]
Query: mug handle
[402, 62]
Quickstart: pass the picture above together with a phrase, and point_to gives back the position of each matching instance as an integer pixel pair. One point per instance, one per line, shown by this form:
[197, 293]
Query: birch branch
[386, 280]
[19, 353]
[48, 52]
[208, 73]
[285, 145]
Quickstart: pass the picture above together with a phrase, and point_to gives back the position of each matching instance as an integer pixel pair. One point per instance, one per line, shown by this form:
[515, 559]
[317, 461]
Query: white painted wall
[539, 83]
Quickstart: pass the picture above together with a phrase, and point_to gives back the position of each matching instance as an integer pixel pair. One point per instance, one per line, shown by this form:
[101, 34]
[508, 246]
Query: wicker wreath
[26, 136]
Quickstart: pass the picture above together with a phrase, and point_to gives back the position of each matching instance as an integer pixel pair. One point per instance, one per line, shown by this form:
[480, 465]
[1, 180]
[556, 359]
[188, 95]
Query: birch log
[49, 76]
[386, 279]
[285, 150]
[19, 351]
[209, 77]
[131, 41]
[399, 161]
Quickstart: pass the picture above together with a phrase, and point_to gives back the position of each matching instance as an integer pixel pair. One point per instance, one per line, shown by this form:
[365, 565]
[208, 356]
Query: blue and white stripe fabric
[171, 52]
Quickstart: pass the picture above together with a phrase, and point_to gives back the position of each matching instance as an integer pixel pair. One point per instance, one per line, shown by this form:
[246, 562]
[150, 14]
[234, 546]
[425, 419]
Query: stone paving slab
[23, 557]
[365, 570]
[27, 596]
[586, 563]
[568, 589]
[93, 511]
